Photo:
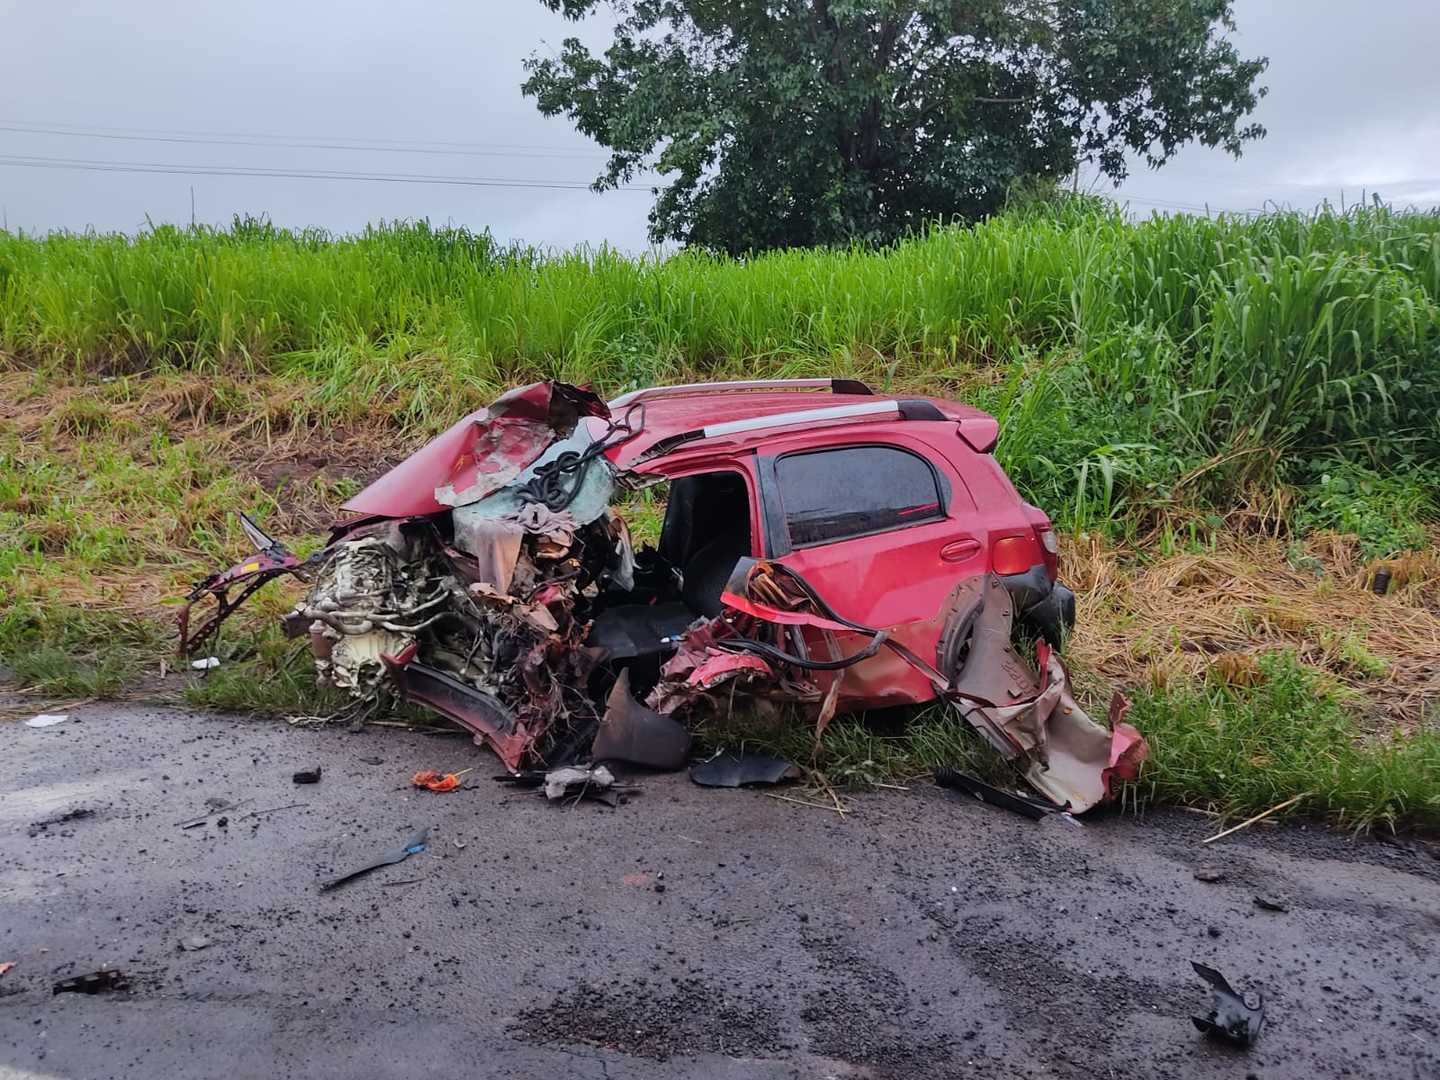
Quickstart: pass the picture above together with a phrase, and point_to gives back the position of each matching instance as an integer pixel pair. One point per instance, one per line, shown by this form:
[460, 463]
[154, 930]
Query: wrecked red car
[823, 546]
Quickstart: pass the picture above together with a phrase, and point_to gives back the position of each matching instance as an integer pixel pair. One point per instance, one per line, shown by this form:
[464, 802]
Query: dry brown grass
[1150, 620]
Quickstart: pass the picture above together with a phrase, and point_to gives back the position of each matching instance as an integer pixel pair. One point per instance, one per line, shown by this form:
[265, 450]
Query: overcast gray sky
[1352, 107]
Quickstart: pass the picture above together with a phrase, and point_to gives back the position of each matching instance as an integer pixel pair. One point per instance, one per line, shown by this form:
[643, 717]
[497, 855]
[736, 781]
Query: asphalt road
[690, 932]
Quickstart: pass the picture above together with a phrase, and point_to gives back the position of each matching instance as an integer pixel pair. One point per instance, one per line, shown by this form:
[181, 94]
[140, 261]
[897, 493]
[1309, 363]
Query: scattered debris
[307, 776]
[1267, 902]
[1380, 582]
[412, 846]
[94, 983]
[740, 769]
[194, 943]
[578, 780]
[433, 780]
[209, 663]
[6, 966]
[215, 804]
[274, 809]
[632, 733]
[1258, 817]
[1033, 809]
[1231, 1017]
[80, 813]
[372, 761]
[1210, 874]
[47, 719]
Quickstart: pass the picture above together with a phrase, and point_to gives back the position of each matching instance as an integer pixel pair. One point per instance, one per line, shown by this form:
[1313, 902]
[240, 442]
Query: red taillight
[1014, 554]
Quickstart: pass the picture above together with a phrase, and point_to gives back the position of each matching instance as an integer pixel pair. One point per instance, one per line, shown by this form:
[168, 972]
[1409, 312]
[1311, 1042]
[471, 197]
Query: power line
[382, 146]
[297, 174]
[297, 141]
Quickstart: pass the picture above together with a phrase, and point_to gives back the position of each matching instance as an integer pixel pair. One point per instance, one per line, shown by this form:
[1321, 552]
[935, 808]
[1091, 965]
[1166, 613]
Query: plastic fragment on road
[94, 983]
[434, 780]
[307, 776]
[1231, 1018]
[577, 780]
[194, 943]
[47, 719]
[1034, 809]
[412, 846]
[6, 966]
[207, 663]
[731, 769]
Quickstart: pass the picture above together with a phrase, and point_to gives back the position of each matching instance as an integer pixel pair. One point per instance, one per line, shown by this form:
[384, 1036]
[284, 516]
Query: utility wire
[298, 141]
[301, 143]
[298, 174]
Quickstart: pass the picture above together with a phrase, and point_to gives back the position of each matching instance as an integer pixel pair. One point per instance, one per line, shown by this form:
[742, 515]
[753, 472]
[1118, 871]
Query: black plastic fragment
[413, 846]
[731, 769]
[1034, 809]
[632, 733]
[94, 983]
[307, 776]
[1231, 1018]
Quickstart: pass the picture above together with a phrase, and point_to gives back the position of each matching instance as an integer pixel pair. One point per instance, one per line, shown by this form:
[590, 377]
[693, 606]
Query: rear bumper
[1046, 608]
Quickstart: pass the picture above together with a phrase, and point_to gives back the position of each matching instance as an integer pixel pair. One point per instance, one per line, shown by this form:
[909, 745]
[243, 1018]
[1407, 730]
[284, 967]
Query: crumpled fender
[480, 454]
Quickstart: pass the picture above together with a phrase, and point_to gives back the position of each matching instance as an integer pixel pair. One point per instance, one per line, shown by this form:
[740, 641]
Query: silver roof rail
[881, 407]
[835, 386]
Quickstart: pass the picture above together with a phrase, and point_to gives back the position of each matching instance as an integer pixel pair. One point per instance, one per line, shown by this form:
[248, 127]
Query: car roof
[672, 415]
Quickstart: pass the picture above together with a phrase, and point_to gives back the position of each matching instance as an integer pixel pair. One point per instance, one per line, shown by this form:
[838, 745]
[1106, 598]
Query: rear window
[834, 494]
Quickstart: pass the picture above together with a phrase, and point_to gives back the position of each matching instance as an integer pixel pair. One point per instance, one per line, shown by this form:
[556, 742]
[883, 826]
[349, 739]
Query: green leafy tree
[779, 123]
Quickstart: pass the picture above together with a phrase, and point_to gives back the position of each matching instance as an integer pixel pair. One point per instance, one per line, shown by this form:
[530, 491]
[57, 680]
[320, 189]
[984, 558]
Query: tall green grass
[1132, 363]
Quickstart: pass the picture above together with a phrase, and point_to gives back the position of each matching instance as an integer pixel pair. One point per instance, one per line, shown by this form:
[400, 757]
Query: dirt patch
[647, 1019]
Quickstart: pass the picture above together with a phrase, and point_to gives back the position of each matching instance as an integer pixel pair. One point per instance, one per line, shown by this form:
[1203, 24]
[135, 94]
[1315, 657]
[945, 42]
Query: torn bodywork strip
[1067, 756]
[271, 560]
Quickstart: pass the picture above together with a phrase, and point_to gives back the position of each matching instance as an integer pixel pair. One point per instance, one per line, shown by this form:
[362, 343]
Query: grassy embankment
[1231, 419]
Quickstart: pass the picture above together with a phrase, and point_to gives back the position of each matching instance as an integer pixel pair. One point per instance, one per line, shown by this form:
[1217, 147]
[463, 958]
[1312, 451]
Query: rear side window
[834, 494]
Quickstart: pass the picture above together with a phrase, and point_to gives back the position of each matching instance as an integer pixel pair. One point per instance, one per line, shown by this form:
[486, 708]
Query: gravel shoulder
[690, 932]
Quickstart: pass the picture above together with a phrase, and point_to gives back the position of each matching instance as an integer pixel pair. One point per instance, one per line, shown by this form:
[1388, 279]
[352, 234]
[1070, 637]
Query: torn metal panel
[491, 722]
[480, 454]
[1066, 756]
[271, 560]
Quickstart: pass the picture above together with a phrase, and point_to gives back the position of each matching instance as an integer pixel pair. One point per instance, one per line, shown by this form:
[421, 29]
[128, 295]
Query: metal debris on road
[1231, 1018]
[413, 846]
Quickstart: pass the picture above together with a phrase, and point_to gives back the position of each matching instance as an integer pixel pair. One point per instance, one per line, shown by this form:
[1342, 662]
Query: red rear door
[884, 529]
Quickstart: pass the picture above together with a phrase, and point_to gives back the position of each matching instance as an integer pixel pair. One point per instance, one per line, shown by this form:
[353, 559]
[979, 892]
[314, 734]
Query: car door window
[830, 495]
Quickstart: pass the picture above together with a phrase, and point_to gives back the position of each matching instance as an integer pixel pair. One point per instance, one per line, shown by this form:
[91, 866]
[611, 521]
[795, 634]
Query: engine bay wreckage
[823, 547]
